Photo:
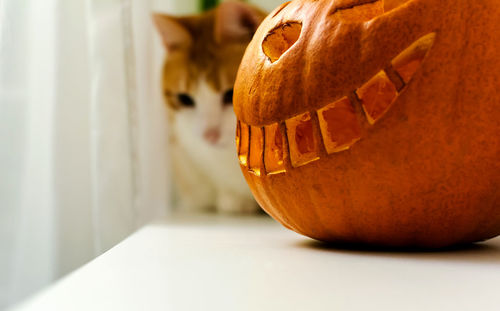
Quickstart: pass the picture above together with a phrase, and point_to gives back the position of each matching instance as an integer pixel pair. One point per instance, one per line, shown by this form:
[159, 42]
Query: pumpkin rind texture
[359, 123]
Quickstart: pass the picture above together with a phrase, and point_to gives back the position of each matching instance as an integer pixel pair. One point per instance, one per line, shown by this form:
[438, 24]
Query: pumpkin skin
[423, 171]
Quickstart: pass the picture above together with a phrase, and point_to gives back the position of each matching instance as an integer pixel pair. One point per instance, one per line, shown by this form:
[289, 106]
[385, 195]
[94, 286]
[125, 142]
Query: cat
[203, 55]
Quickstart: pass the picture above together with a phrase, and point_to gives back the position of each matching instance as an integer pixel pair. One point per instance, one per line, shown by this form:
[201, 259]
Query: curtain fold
[26, 118]
[113, 161]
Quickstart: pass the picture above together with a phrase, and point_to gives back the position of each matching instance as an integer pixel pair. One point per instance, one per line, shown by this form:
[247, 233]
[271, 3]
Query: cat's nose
[212, 135]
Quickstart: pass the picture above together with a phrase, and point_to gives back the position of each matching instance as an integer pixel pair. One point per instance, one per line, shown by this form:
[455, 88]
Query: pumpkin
[360, 122]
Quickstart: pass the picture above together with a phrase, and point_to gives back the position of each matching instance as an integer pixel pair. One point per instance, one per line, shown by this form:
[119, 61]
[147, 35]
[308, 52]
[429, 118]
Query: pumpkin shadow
[481, 253]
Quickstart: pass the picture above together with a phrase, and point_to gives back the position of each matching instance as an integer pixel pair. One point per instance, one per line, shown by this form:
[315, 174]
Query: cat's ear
[235, 20]
[174, 34]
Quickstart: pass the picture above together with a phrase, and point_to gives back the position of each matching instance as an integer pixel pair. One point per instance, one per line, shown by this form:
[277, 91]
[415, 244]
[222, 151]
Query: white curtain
[26, 114]
[83, 132]
[83, 135]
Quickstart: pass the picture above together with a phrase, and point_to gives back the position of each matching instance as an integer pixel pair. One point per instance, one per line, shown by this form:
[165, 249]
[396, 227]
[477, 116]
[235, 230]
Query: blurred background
[83, 132]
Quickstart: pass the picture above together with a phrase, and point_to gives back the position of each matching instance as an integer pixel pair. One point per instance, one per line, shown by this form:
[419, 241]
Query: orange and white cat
[203, 56]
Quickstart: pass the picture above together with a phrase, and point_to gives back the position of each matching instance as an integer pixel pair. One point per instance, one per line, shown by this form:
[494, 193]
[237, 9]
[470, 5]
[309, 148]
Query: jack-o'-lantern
[361, 123]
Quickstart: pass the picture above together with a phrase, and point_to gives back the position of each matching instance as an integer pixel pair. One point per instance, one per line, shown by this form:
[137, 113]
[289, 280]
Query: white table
[219, 263]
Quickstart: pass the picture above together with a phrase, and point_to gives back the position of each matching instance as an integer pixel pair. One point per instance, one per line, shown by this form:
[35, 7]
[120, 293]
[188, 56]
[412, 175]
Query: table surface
[252, 263]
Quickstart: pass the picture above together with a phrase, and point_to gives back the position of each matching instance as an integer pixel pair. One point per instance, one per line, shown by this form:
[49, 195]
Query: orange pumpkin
[364, 124]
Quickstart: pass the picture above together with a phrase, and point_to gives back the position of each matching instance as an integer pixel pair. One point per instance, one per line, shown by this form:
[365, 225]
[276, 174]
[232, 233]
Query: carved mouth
[302, 139]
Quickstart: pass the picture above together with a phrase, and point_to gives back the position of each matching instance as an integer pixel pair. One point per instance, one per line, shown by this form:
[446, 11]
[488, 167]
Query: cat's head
[203, 55]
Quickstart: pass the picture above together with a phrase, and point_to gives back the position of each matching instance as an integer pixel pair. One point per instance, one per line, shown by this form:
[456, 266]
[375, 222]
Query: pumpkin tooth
[244, 144]
[256, 150]
[301, 140]
[376, 96]
[407, 62]
[339, 126]
[273, 150]
[238, 136]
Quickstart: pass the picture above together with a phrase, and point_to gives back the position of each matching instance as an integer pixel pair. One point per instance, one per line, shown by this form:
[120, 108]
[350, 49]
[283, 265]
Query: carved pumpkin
[364, 124]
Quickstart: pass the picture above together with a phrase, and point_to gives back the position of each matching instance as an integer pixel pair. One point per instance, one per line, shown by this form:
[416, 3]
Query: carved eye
[281, 39]
[185, 100]
[227, 98]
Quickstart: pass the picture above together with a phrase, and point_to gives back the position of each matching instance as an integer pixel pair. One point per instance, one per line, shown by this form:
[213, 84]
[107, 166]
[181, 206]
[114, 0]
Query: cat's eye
[185, 100]
[227, 99]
